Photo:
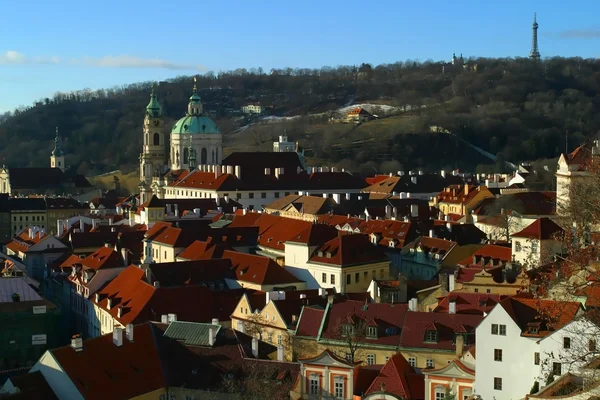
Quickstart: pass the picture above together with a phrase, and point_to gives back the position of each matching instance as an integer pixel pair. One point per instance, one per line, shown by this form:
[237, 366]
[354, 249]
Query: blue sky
[64, 45]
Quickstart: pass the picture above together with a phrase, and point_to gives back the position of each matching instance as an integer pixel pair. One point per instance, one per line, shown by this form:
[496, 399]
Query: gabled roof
[397, 377]
[469, 303]
[327, 357]
[541, 229]
[315, 234]
[432, 246]
[43, 178]
[549, 314]
[102, 370]
[426, 183]
[185, 273]
[310, 321]
[31, 386]
[486, 254]
[302, 204]
[204, 250]
[459, 194]
[22, 242]
[347, 250]
[258, 269]
[104, 257]
[191, 333]
[416, 323]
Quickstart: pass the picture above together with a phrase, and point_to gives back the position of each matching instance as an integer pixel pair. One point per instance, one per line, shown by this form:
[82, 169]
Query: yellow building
[272, 316]
[60, 208]
[306, 208]
[372, 333]
[346, 263]
[460, 199]
[26, 212]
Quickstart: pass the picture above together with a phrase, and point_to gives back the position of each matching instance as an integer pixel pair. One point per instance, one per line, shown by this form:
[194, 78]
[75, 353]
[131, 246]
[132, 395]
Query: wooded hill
[518, 108]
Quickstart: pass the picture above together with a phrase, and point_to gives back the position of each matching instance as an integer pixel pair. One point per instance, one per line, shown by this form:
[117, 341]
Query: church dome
[153, 109]
[196, 124]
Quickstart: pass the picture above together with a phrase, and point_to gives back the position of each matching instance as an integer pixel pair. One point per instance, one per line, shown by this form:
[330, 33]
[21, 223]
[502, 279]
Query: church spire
[153, 109]
[195, 105]
[535, 53]
[57, 150]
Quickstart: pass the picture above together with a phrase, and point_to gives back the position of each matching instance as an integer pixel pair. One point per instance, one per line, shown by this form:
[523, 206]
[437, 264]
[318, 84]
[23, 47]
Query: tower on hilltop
[535, 53]
[57, 158]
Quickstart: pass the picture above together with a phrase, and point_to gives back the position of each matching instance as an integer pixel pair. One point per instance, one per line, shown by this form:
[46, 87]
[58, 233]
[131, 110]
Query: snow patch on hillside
[377, 109]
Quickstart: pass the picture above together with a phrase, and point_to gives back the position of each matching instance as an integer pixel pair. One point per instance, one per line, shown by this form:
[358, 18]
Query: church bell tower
[153, 159]
[57, 158]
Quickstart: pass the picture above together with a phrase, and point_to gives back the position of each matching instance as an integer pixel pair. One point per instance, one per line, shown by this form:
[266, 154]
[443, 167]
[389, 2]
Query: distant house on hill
[358, 115]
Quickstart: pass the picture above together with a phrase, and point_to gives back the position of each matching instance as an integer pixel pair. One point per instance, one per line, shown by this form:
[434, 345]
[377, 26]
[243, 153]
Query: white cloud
[14, 57]
[123, 61]
[134, 62]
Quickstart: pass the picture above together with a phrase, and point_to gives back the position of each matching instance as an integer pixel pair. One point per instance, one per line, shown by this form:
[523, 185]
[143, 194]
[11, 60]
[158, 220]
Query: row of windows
[498, 329]
[207, 195]
[314, 386]
[534, 246]
[429, 363]
[33, 218]
[365, 274]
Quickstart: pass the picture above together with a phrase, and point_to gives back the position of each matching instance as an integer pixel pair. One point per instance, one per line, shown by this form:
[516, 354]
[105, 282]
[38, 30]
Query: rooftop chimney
[431, 233]
[443, 174]
[451, 307]
[77, 343]
[413, 304]
[156, 284]
[212, 333]
[460, 344]
[414, 210]
[280, 353]
[449, 226]
[413, 179]
[118, 337]
[267, 171]
[177, 210]
[129, 332]
[81, 225]
[255, 347]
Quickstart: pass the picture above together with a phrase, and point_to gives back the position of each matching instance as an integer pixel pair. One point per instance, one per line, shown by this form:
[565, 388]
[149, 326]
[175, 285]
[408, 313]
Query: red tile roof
[486, 254]
[541, 229]
[200, 250]
[310, 322]
[241, 220]
[417, 323]
[102, 370]
[315, 234]
[469, 303]
[458, 194]
[432, 245]
[388, 317]
[185, 273]
[549, 314]
[347, 250]
[394, 379]
[274, 231]
[104, 257]
[22, 242]
[258, 269]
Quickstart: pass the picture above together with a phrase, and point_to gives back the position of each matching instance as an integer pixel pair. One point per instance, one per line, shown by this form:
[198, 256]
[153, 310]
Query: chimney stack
[255, 347]
[451, 307]
[77, 343]
[280, 353]
[211, 336]
[129, 332]
[238, 171]
[81, 225]
[414, 210]
[460, 344]
[118, 337]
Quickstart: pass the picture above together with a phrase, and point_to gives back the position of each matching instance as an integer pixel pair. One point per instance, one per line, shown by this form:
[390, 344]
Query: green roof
[195, 124]
[191, 333]
[153, 108]
[195, 98]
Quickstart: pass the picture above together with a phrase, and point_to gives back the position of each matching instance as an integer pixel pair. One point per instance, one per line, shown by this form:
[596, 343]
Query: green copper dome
[196, 124]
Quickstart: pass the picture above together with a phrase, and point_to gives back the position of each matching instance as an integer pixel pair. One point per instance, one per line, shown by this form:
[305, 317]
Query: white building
[572, 167]
[517, 346]
[283, 145]
[253, 109]
[537, 243]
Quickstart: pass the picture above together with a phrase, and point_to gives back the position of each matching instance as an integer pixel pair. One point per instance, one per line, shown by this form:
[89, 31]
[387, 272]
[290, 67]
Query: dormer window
[533, 328]
[320, 253]
[392, 244]
[347, 330]
[372, 332]
[328, 255]
[431, 336]
[412, 251]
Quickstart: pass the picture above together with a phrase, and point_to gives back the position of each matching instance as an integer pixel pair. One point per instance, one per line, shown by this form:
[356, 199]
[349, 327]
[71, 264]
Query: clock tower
[153, 159]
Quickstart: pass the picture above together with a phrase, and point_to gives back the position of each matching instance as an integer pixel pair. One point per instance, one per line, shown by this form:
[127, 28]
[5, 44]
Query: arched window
[156, 139]
[203, 156]
[185, 155]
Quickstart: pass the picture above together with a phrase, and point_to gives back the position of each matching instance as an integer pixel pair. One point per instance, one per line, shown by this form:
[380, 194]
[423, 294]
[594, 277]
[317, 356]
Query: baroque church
[194, 139]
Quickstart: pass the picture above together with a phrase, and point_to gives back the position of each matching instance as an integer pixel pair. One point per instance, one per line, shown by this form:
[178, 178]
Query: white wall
[56, 377]
[517, 369]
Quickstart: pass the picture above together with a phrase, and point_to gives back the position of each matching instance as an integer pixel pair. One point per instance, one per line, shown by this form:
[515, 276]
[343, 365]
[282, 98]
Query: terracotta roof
[104, 257]
[302, 204]
[580, 156]
[315, 234]
[394, 377]
[389, 319]
[22, 242]
[258, 269]
[274, 231]
[417, 323]
[102, 370]
[459, 194]
[426, 183]
[469, 303]
[184, 273]
[549, 314]
[292, 306]
[310, 322]
[488, 253]
[541, 229]
[244, 220]
[204, 250]
[347, 250]
[430, 245]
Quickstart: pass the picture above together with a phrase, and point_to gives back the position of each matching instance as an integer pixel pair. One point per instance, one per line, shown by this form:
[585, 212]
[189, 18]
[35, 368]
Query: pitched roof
[469, 303]
[254, 163]
[204, 250]
[347, 250]
[22, 242]
[191, 333]
[487, 254]
[104, 257]
[102, 370]
[258, 269]
[302, 204]
[459, 194]
[432, 246]
[43, 178]
[31, 386]
[389, 318]
[315, 234]
[184, 273]
[549, 314]
[426, 183]
[541, 229]
[417, 323]
[18, 285]
[310, 321]
[399, 378]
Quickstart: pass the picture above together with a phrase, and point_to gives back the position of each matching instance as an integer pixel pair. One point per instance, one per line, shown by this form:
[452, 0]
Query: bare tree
[352, 332]
[255, 326]
[506, 211]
